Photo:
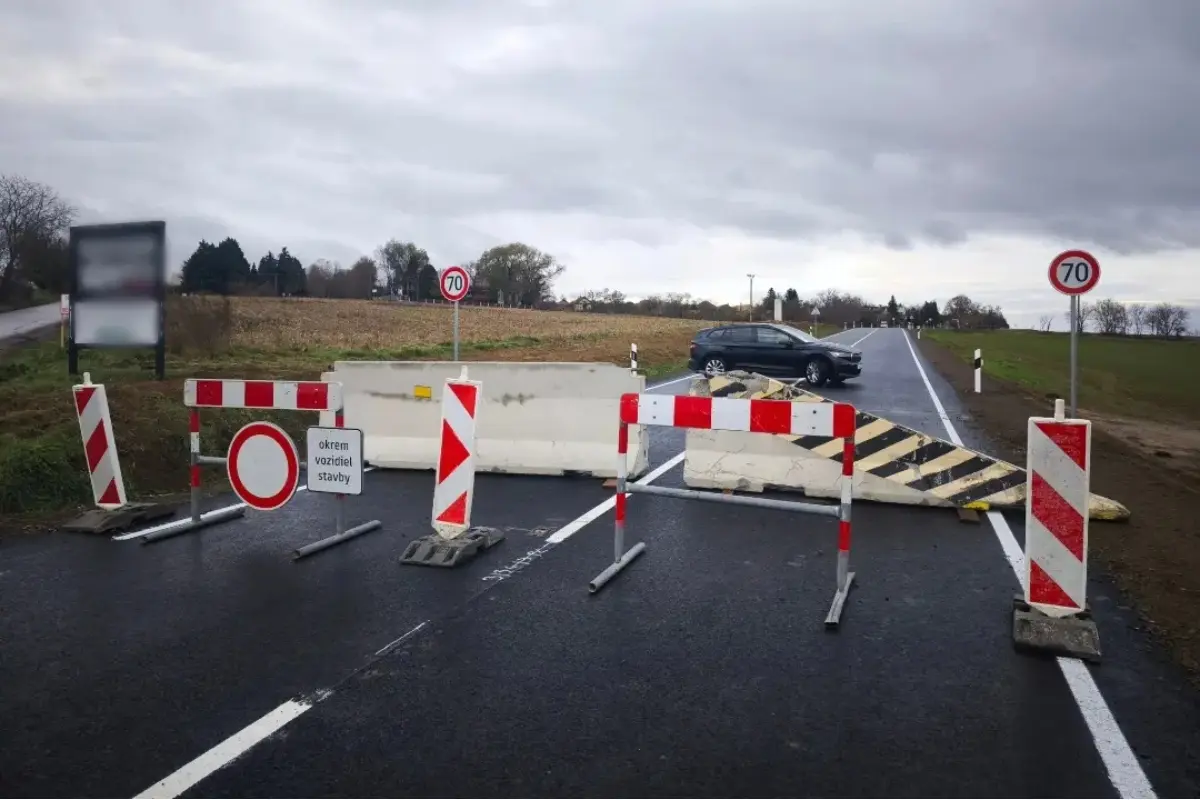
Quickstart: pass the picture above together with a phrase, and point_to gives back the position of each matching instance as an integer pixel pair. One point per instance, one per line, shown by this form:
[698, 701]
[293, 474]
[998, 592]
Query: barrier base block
[1075, 636]
[434, 551]
[106, 521]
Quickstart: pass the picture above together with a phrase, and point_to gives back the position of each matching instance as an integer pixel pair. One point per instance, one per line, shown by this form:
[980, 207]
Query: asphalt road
[18, 323]
[703, 670]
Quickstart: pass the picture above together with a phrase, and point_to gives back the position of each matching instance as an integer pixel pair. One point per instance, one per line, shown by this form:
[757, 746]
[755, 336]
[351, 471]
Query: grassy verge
[42, 472]
[1129, 376]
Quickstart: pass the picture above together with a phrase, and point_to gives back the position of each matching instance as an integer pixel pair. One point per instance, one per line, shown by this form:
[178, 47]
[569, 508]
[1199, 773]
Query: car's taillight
[692, 349]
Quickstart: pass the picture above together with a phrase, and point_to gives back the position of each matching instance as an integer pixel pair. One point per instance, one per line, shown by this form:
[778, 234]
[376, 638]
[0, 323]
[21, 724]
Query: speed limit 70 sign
[455, 283]
[1074, 272]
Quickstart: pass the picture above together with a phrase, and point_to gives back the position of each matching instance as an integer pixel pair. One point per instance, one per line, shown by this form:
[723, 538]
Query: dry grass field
[271, 324]
[41, 458]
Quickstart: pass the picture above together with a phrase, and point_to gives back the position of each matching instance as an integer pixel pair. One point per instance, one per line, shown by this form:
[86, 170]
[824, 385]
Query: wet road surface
[27, 320]
[705, 669]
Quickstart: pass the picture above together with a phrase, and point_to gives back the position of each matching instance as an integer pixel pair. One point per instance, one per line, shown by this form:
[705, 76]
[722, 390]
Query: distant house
[480, 290]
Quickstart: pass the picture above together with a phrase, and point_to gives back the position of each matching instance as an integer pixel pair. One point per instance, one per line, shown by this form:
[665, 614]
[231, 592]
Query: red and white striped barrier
[836, 420]
[278, 395]
[1056, 513]
[454, 487]
[99, 446]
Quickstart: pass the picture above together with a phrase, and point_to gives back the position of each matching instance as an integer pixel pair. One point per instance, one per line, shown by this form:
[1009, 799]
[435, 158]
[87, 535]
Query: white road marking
[863, 339]
[573, 527]
[1124, 770]
[206, 764]
[392, 644]
[175, 523]
[668, 383]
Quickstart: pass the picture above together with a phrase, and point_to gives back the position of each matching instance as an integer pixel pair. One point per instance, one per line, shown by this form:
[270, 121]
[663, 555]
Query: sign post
[455, 283]
[1074, 273]
[64, 311]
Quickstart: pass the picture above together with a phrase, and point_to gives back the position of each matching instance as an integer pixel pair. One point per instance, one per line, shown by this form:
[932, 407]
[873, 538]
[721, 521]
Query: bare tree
[31, 213]
[1137, 317]
[1044, 322]
[1167, 319]
[1177, 322]
[1087, 311]
[1111, 317]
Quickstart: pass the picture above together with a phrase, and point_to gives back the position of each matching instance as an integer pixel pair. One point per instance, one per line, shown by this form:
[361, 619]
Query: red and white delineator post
[1056, 513]
[837, 420]
[99, 445]
[454, 486]
[454, 541]
[198, 393]
[113, 510]
[1052, 614]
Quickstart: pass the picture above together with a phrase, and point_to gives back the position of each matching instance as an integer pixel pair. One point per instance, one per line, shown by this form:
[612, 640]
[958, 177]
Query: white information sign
[335, 462]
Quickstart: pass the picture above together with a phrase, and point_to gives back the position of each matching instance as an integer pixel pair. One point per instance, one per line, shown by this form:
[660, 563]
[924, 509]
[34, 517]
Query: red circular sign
[454, 283]
[1074, 272]
[263, 466]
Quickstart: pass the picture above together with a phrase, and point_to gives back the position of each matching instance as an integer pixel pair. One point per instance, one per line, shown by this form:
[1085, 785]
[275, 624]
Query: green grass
[1132, 376]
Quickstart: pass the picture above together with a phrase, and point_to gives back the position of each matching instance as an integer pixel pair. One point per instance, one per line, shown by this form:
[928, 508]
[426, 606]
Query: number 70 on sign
[1074, 272]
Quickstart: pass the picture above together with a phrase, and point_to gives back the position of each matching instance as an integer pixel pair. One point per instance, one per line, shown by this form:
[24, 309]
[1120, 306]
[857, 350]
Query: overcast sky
[918, 147]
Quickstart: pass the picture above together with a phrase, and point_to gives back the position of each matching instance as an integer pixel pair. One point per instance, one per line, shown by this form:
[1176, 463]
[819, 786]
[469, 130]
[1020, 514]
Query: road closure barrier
[896, 464]
[1053, 614]
[534, 418]
[113, 511]
[751, 417]
[263, 463]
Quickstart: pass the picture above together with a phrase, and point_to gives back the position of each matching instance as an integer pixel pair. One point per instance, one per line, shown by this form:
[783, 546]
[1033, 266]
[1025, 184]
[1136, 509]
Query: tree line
[1114, 318]
[829, 305]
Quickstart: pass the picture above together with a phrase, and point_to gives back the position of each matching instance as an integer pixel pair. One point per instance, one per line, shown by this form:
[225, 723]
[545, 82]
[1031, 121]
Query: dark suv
[774, 349]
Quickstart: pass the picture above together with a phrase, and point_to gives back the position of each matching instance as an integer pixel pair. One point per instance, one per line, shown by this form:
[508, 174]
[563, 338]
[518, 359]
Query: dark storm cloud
[905, 122]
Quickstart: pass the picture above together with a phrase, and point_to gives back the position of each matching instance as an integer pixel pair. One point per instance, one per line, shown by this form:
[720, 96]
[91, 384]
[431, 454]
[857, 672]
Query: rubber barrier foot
[434, 551]
[104, 521]
[1075, 636]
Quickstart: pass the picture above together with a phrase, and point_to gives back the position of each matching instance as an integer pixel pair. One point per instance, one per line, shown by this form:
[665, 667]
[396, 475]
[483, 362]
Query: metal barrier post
[621, 558]
[845, 578]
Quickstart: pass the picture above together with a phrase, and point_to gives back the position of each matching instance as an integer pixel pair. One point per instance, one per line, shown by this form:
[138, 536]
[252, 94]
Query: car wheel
[714, 366]
[816, 372]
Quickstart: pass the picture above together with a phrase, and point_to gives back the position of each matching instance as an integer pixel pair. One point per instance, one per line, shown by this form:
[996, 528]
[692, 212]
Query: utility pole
[750, 275]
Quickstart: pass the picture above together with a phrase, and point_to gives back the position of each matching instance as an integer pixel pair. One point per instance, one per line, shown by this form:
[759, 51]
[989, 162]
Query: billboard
[118, 286]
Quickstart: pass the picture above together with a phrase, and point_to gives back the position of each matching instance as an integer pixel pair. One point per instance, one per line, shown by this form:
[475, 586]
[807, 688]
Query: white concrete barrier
[534, 419]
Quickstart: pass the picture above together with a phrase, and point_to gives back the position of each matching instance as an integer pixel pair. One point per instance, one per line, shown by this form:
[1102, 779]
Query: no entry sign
[1074, 272]
[263, 466]
[455, 283]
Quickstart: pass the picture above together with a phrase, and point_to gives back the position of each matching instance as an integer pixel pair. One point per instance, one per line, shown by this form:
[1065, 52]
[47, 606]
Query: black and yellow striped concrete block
[946, 474]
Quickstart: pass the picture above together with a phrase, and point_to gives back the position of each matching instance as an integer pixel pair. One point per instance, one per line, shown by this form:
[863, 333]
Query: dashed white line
[209, 762]
[1124, 770]
[392, 644]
